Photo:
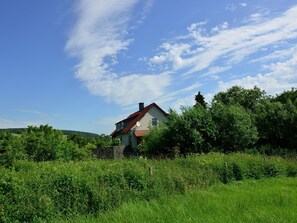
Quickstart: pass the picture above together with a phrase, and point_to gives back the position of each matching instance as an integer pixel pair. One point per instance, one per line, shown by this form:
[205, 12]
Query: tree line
[237, 120]
[44, 143]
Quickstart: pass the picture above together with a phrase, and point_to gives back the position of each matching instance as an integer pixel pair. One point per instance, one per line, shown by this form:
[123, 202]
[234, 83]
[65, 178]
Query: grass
[41, 192]
[268, 200]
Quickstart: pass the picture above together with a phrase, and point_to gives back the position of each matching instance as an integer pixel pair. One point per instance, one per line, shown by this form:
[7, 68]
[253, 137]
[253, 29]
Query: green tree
[192, 131]
[247, 98]
[80, 140]
[11, 148]
[156, 143]
[277, 123]
[236, 129]
[44, 143]
[287, 96]
[200, 100]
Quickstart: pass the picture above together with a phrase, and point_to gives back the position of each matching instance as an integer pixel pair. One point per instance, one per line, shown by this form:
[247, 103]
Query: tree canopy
[238, 119]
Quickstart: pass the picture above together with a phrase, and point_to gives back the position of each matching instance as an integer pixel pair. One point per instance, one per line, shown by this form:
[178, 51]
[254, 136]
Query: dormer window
[122, 125]
[154, 122]
[118, 127]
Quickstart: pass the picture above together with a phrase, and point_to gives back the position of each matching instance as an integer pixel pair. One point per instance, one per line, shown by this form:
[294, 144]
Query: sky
[86, 64]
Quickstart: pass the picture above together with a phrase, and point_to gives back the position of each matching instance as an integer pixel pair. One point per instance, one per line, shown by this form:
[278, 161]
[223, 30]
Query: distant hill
[86, 134]
[66, 132]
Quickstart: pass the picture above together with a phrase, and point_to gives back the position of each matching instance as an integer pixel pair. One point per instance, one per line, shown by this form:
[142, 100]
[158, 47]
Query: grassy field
[268, 200]
[42, 192]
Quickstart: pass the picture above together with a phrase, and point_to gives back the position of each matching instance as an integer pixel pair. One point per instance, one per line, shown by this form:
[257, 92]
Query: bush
[192, 131]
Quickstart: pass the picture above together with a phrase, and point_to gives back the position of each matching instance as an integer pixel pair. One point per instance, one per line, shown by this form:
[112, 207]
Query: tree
[192, 131]
[156, 143]
[11, 149]
[80, 140]
[199, 98]
[236, 129]
[287, 96]
[277, 123]
[44, 143]
[247, 98]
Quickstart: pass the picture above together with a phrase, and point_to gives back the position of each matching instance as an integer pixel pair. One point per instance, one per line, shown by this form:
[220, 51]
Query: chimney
[141, 106]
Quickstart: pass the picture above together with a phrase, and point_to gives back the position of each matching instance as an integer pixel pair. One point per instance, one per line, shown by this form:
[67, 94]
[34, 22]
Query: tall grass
[269, 200]
[34, 192]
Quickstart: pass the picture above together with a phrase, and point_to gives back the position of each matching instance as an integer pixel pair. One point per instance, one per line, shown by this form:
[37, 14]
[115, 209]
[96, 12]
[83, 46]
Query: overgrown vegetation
[44, 143]
[42, 191]
[270, 200]
[236, 120]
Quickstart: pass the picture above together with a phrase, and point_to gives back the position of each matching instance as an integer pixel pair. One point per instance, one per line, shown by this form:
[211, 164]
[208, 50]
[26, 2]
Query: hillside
[66, 132]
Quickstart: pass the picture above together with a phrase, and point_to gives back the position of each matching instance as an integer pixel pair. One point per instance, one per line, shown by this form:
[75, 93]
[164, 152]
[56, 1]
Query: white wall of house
[146, 120]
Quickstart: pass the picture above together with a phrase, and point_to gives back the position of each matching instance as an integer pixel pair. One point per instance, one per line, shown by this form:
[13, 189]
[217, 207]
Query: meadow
[266, 200]
[45, 191]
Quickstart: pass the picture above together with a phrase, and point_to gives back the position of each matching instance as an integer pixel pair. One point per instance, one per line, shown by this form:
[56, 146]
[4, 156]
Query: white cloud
[221, 27]
[277, 55]
[257, 17]
[98, 37]
[147, 7]
[280, 76]
[171, 97]
[183, 102]
[198, 49]
[213, 71]
[232, 7]
[173, 53]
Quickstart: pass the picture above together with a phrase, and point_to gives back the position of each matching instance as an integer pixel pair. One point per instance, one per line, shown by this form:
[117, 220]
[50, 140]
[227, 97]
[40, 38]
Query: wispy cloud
[34, 112]
[199, 49]
[277, 55]
[209, 52]
[148, 4]
[232, 7]
[280, 76]
[99, 36]
[214, 71]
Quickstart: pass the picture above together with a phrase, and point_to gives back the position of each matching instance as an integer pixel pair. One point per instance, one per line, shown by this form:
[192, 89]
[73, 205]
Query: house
[131, 130]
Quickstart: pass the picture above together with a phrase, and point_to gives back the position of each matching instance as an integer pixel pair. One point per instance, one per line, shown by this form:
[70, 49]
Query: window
[122, 125]
[118, 127]
[154, 122]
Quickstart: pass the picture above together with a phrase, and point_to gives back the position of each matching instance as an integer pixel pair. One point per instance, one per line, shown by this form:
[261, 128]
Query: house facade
[131, 130]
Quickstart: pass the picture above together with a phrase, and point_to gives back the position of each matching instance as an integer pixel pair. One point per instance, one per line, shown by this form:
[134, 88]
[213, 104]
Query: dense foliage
[237, 120]
[44, 143]
[42, 191]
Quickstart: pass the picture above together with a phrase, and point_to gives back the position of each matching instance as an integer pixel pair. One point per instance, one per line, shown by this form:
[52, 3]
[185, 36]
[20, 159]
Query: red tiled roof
[136, 116]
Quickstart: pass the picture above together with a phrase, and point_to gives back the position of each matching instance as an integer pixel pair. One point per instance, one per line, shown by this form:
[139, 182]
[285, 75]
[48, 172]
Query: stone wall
[110, 152]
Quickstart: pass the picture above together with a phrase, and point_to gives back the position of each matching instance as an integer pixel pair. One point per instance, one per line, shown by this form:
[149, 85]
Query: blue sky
[85, 64]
